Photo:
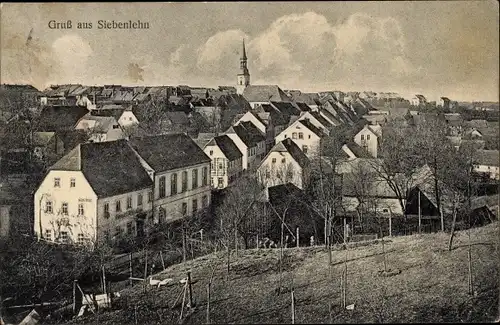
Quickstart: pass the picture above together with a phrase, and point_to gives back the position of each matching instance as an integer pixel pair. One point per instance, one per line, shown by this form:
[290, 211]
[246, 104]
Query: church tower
[244, 75]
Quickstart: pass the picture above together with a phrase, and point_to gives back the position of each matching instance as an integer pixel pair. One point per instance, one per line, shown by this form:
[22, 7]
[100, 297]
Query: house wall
[230, 169]
[115, 132]
[310, 139]
[109, 224]
[272, 174]
[72, 223]
[242, 147]
[127, 119]
[172, 203]
[493, 171]
[371, 145]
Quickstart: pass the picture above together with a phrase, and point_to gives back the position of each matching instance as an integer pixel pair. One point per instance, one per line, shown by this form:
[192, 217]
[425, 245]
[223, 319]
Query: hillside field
[431, 287]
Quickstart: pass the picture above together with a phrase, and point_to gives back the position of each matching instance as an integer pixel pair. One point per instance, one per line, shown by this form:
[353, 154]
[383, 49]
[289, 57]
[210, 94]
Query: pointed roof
[287, 145]
[227, 146]
[310, 126]
[244, 52]
[111, 167]
[265, 93]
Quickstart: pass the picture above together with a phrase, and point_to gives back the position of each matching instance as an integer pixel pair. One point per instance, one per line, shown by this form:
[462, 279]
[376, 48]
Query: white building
[488, 162]
[226, 159]
[285, 163]
[305, 135]
[124, 116]
[250, 142]
[96, 192]
[101, 128]
[368, 138]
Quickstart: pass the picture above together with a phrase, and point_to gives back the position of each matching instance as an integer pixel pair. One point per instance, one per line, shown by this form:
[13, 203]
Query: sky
[436, 48]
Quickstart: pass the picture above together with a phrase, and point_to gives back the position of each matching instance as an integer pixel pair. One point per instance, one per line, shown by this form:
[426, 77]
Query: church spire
[244, 53]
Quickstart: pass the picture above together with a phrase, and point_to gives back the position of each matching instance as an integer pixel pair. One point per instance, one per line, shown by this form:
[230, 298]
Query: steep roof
[248, 133]
[109, 112]
[72, 138]
[286, 108]
[307, 98]
[53, 118]
[227, 146]
[357, 150]
[277, 117]
[111, 167]
[291, 147]
[178, 117]
[303, 107]
[169, 151]
[311, 127]
[265, 93]
[488, 158]
[103, 123]
[321, 119]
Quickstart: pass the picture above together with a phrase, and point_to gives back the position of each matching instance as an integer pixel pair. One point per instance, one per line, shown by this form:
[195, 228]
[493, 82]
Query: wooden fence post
[293, 307]
[257, 244]
[297, 239]
[74, 298]
[208, 303]
[190, 290]
[162, 260]
[130, 269]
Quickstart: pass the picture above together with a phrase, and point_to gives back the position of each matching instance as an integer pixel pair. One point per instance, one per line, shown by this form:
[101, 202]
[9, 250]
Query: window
[304, 148]
[211, 182]
[129, 202]
[48, 234]
[294, 135]
[384, 210]
[64, 209]
[205, 176]
[184, 181]
[150, 196]
[139, 200]
[301, 135]
[129, 228]
[72, 182]
[211, 152]
[162, 215]
[116, 126]
[362, 137]
[106, 210]
[81, 211]
[48, 207]
[57, 182]
[221, 166]
[130, 118]
[81, 239]
[273, 160]
[289, 174]
[220, 182]
[367, 137]
[162, 187]
[63, 237]
[283, 160]
[195, 205]
[184, 208]
[309, 136]
[118, 206]
[195, 178]
[286, 136]
[204, 201]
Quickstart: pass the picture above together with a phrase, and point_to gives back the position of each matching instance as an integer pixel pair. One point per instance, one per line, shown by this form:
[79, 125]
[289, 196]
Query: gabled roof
[303, 107]
[111, 168]
[227, 146]
[280, 193]
[53, 118]
[321, 119]
[169, 151]
[311, 127]
[357, 150]
[375, 129]
[286, 108]
[277, 117]
[110, 112]
[287, 145]
[330, 116]
[103, 123]
[488, 158]
[248, 133]
[307, 98]
[265, 93]
[72, 138]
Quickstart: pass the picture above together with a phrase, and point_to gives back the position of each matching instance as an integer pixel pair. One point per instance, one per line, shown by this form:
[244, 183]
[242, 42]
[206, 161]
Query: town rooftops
[111, 168]
[227, 146]
[248, 133]
[311, 127]
[488, 158]
[169, 151]
[286, 108]
[178, 117]
[109, 112]
[265, 93]
[61, 117]
[321, 119]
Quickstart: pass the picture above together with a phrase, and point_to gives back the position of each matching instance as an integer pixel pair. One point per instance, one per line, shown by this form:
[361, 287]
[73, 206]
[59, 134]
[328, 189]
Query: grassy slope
[432, 286]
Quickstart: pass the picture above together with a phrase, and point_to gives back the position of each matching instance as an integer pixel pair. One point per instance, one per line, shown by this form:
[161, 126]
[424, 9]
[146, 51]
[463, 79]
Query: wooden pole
[257, 241]
[74, 298]
[183, 301]
[208, 303]
[419, 213]
[130, 269]
[146, 266]
[162, 260]
[293, 307]
[298, 238]
[183, 245]
[190, 290]
[390, 224]
[104, 283]
[469, 256]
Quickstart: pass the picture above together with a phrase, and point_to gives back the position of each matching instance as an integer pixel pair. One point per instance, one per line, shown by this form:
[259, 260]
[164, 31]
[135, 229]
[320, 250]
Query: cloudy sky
[435, 48]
